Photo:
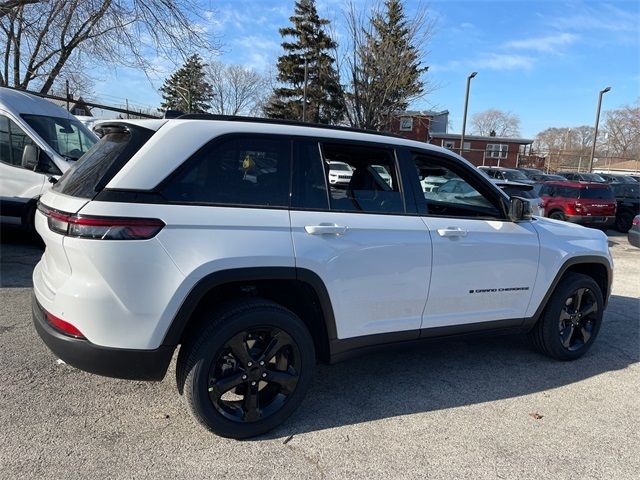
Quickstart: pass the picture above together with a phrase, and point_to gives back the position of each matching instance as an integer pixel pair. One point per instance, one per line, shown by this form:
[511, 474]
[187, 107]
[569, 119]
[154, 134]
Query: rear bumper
[109, 362]
[588, 220]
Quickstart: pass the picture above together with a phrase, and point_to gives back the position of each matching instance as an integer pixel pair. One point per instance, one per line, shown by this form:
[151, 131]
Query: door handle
[452, 232]
[325, 229]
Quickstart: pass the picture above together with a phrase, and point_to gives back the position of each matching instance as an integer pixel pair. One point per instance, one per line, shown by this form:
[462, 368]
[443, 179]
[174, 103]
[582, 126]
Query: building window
[406, 124]
[80, 111]
[466, 146]
[497, 150]
[450, 144]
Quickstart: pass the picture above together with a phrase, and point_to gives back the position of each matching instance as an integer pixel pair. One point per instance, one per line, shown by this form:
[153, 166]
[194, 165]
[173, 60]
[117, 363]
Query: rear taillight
[636, 220]
[62, 326]
[103, 228]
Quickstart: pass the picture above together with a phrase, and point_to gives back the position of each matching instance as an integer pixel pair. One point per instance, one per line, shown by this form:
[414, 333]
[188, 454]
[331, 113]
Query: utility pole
[464, 116]
[595, 130]
[67, 92]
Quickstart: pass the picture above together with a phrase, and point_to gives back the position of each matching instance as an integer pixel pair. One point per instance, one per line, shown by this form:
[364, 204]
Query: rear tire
[557, 215]
[571, 320]
[247, 369]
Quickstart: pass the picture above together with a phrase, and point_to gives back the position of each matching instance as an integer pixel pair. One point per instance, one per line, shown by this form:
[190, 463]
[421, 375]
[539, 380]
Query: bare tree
[237, 90]
[41, 39]
[622, 131]
[7, 6]
[383, 62]
[495, 122]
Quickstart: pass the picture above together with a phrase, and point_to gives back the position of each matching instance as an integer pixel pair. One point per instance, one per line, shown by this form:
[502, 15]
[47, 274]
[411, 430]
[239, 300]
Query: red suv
[590, 204]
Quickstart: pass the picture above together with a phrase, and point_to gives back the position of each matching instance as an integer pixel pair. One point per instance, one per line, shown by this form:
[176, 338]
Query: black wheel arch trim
[215, 279]
[572, 262]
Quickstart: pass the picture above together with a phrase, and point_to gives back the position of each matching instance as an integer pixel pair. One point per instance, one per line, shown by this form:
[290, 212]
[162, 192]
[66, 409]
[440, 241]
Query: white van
[38, 140]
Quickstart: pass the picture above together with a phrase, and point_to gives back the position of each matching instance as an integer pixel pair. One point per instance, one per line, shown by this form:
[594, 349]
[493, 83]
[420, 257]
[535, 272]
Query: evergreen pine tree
[388, 71]
[324, 92]
[186, 89]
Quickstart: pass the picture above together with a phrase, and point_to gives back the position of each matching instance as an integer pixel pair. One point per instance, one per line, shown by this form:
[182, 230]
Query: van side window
[237, 170]
[362, 178]
[12, 142]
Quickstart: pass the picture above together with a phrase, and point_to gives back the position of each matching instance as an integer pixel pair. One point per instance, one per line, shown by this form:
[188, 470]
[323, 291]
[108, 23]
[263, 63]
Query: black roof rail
[276, 121]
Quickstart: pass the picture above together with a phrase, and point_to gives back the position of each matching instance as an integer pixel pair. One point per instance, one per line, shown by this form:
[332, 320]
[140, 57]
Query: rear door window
[238, 170]
[99, 165]
[370, 182]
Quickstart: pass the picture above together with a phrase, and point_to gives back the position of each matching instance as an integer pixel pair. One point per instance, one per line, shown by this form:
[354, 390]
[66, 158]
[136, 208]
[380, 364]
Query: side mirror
[519, 209]
[30, 155]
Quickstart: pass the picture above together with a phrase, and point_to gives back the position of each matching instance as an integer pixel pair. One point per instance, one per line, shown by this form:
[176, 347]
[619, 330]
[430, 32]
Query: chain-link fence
[567, 161]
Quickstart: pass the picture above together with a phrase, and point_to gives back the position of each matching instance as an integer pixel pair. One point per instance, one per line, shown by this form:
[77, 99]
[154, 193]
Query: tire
[560, 332]
[623, 221]
[233, 349]
[557, 215]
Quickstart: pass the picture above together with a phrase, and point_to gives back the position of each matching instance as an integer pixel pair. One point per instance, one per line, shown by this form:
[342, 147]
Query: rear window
[100, 164]
[596, 193]
[517, 192]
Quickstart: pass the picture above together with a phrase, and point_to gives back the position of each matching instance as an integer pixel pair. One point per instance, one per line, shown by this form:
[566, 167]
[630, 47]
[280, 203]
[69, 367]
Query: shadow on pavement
[452, 373]
[19, 252]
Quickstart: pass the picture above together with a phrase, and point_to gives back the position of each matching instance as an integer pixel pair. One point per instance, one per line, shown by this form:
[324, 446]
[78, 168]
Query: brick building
[417, 125]
[491, 151]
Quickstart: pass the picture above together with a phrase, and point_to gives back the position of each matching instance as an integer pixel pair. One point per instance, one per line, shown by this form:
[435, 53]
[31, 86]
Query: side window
[12, 142]
[309, 181]
[450, 192]
[240, 170]
[361, 179]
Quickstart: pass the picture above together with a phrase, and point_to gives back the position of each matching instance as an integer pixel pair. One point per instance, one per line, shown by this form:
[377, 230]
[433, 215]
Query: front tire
[624, 221]
[571, 320]
[247, 369]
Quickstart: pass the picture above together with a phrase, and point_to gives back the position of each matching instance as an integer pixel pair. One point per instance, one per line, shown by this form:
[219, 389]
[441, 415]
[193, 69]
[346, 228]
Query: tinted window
[12, 141]
[514, 175]
[363, 187]
[517, 192]
[240, 170]
[452, 193]
[309, 182]
[597, 193]
[99, 165]
[567, 192]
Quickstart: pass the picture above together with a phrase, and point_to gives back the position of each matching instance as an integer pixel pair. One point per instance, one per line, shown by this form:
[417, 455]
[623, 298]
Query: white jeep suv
[224, 236]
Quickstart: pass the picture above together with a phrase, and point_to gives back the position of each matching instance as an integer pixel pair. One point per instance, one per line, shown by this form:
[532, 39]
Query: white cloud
[491, 61]
[499, 61]
[546, 44]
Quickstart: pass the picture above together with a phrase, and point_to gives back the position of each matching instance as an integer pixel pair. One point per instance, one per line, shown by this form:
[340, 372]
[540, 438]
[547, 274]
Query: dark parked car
[530, 172]
[547, 177]
[508, 174]
[583, 177]
[628, 200]
[589, 204]
[612, 178]
[634, 232]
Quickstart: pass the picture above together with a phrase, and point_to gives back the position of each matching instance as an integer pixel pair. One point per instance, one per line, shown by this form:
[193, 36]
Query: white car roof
[22, 102]
[177, 139]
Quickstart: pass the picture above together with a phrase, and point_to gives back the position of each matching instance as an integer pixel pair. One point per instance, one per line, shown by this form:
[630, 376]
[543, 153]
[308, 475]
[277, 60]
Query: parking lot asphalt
[474, 408]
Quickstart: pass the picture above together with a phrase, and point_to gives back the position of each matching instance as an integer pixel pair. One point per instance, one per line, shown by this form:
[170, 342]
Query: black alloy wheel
[571, 319]
[254, 374]
[246, 368]
[577, 319]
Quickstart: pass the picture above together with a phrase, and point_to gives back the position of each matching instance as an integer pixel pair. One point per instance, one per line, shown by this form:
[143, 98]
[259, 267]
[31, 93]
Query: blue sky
[542, 60]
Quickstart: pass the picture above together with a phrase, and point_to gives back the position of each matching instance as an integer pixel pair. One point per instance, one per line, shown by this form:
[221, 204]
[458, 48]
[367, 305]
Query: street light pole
[304, 90]
[464, 116]
[595, 130]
